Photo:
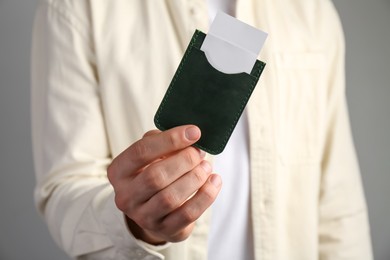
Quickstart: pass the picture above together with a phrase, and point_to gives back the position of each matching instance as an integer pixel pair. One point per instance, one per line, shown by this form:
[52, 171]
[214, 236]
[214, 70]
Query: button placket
[263, 172]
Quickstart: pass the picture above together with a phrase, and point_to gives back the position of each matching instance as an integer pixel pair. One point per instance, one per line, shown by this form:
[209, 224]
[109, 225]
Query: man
[111, 189]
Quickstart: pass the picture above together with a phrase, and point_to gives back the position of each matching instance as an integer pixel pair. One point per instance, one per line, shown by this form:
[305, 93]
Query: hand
[163, 185]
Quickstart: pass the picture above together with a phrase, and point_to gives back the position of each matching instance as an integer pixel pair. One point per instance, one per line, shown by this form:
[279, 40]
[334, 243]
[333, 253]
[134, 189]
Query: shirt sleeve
[71, 149]
[343, 221]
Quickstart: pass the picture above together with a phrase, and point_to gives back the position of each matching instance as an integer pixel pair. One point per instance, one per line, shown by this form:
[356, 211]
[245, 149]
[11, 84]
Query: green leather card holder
[203, 96]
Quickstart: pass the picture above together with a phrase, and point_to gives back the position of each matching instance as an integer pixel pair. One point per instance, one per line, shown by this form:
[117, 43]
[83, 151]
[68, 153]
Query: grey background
[367, 28]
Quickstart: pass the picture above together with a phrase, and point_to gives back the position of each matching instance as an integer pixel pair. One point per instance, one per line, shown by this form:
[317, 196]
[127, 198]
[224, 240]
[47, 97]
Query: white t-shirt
[230, 232]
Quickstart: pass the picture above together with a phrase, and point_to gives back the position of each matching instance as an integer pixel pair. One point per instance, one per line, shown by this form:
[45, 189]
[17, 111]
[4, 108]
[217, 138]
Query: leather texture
[203, 96]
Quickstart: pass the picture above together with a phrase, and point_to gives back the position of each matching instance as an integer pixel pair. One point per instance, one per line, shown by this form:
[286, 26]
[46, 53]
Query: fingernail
[192, 133]
[216, 180]
[206, 166]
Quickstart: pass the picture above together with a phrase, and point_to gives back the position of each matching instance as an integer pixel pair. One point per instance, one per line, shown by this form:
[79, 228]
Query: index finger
[152, 147]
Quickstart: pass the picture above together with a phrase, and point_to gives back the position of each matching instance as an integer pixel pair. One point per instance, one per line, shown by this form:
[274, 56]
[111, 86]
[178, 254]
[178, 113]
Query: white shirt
[230, 228]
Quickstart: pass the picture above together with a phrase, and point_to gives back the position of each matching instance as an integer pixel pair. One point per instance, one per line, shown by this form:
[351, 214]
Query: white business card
[232, 46]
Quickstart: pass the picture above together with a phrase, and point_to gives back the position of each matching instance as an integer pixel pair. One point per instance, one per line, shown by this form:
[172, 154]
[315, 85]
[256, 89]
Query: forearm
[344, 229]
[72, 212]
[343, 219]
[85, 223]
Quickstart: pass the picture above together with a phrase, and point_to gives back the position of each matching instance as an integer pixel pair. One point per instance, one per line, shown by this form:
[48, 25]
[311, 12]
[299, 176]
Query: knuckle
[147, 222]
[199, 176]
[168, 201]
[188, 215]
[121, 203]
[110, 173]
[155, 178]
[209, 195]
[141, 150]
[173, 140]
[151, 132]
[190, 156]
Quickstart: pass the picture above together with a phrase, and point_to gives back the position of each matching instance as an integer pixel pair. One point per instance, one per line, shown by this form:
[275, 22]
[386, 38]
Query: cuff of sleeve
[126, 245]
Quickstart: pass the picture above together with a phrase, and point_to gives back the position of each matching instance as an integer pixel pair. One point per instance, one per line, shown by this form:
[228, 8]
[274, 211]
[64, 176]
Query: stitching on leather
[171, 87]
[260, 66]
